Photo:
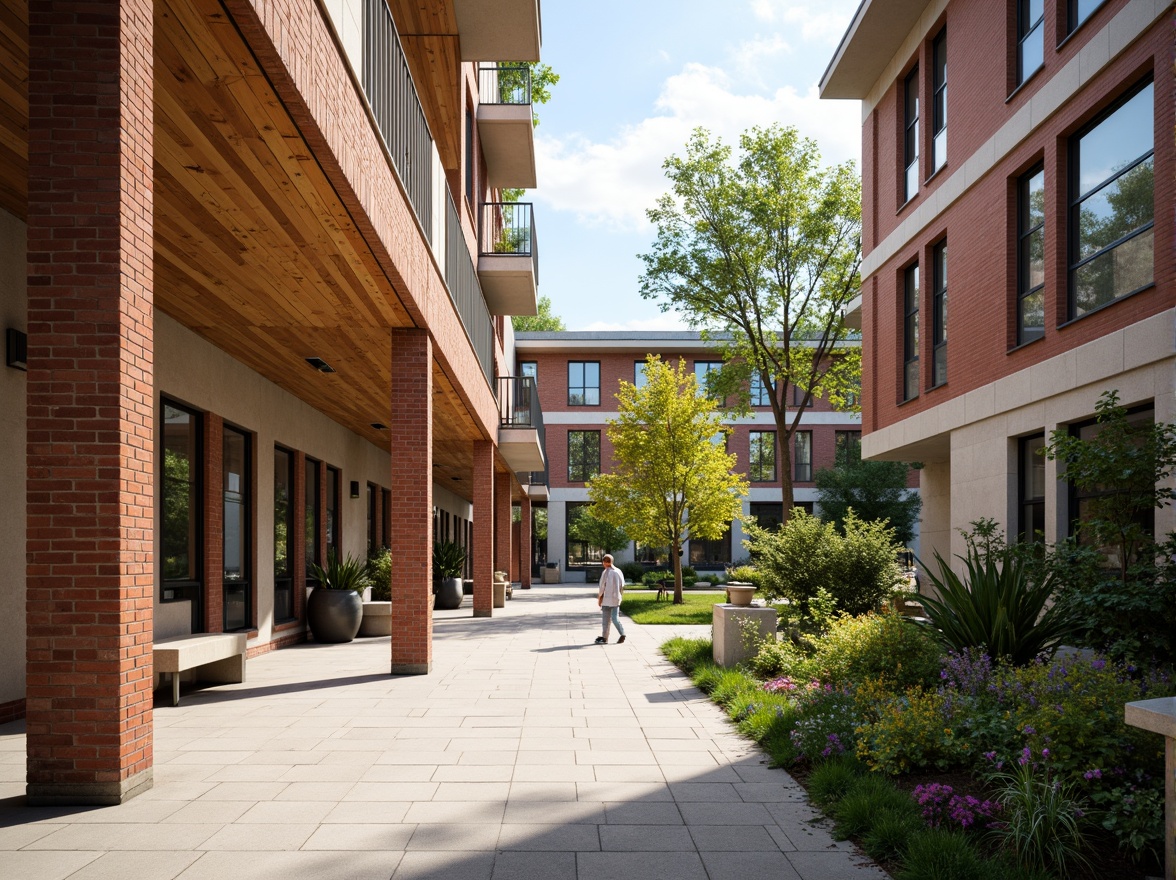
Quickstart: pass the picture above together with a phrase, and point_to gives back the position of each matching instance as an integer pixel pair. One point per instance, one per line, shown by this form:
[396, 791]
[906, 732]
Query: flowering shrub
[1132, 809]
[943, 808]
[826, 718]
[877, 647]
[907, 731]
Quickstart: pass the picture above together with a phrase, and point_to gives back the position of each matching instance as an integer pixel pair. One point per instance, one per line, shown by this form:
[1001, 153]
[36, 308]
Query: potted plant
[377, 609]
[335, 607]
[449, 559]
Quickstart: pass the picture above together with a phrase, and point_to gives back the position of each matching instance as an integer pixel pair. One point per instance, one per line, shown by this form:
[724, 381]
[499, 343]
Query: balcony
[492, 29]
[505, 125]
[521, 439]
[508, 264]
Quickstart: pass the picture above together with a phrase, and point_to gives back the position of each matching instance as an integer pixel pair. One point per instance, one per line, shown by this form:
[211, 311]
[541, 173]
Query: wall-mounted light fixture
[16, 353]
[379, 426]
[320, 365]
[355, 488]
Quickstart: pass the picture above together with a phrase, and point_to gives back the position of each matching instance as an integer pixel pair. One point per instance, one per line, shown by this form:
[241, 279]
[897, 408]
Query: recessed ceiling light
[379, 426]
[320, 365]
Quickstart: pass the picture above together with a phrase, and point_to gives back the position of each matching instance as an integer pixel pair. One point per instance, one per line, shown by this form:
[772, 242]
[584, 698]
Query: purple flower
[1093, 774]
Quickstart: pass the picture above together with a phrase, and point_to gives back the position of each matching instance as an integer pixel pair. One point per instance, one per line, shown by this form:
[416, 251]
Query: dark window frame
[1028, 30]
[333, 525]
[579, 553]
[842, 441]
[1074, 17]
[583, 470]
[757, 445]
[1073, 496]
[532, 372]
[584, 387]
[640, 380]
[758, 393]
[191, 588]
[1025, 236]
[910, 332]
[910, 142]
[469, 156]
[939, 100]
[1030, 507]
[284, 582]
[939, 314]
[802, 466]
[312, 519]
[245, 582]
[1076, 199]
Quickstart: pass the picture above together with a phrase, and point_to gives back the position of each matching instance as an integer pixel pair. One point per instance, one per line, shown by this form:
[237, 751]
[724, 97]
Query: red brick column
[502, 524]
[214, 522]
[91, 478]
[525, 554]
[483, 564]
[412, 502]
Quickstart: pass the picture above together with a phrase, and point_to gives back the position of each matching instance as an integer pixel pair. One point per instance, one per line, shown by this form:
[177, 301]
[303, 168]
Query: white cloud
[612, 182]
[821, 22]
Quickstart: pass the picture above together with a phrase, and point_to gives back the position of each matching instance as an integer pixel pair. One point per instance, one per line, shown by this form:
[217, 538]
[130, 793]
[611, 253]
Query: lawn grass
[646, 608]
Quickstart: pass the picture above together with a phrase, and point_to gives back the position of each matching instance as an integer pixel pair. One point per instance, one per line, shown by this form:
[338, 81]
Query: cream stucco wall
[13, 313]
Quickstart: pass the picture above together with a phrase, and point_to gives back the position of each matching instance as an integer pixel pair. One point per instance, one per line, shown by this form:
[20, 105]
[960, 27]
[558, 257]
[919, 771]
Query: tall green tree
[545, 320]
[876, 491]
[671, 480]
[762, 253]
[597, 532]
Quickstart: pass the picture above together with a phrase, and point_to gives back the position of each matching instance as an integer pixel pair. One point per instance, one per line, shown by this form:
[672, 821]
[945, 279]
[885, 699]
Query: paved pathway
[528, 753]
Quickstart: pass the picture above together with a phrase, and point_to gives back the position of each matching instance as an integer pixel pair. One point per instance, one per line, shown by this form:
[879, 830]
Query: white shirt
[612, 587]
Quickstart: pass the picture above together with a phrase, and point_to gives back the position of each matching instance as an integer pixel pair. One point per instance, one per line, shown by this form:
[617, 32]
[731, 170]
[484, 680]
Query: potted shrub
[449, 559]
[377, 611]
[335, 607]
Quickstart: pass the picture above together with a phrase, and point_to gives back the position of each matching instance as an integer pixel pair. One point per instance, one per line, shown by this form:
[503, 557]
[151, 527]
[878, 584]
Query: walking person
[608, 598]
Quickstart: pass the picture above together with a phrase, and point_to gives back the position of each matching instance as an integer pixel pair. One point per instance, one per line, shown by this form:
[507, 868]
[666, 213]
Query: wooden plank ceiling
[254, 251]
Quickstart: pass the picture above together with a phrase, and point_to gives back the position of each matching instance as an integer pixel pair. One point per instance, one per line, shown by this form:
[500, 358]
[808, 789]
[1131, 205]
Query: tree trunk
[677, 551]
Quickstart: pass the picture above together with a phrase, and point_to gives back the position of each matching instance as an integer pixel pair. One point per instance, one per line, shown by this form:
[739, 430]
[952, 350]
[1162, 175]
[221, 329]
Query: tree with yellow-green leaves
[673, 479]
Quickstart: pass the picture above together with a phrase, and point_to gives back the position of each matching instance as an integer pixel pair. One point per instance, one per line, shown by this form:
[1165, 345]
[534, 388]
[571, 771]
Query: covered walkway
[529, 752]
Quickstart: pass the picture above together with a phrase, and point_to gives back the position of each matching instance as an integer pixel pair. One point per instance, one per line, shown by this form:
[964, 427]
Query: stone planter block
[377, 619]
[500, 594]
[1159, 716]
[730, 643]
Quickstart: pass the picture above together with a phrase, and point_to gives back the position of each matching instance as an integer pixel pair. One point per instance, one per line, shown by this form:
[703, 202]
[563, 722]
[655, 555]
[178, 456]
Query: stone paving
[529, 752]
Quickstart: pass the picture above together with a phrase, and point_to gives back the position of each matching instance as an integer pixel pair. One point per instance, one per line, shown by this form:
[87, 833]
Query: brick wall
[482, 563]
[980, 229]
[90, 547]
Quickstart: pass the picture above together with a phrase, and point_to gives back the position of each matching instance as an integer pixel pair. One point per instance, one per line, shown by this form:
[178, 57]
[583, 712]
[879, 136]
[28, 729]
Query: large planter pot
[334, 615]
[377, 619]
[740, 594]
[448, 594]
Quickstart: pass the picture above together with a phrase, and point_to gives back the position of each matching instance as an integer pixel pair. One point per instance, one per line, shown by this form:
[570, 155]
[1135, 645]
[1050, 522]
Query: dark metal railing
[461, 277]
[518, 405]
[504, 84]
[397, 108]
[508, 229]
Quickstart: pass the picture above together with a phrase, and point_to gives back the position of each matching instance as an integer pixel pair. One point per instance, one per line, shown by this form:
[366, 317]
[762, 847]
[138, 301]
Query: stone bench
[1159, 716]
[220, 657]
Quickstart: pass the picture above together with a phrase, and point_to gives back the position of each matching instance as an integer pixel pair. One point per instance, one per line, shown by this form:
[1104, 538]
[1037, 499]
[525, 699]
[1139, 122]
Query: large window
[1030, 37]
[373, 518]
[910, 144]
[334, 518]
[1031, 255]
[639, 379]
[284, 534]
[762, 456]
[910, 333]
[529, 369]
[579, 552]
[702, 371]
[847, 445]
[583, 383]
[939, 314]
[311, 518]
[1077, 11]
[716, 552]
[1031, 479]
[800, 397]
[767, 514]
[237, 482]
[1112, 205]
[181, 511]
[939, 101]
[583, 455]
[761, 394]
[802, 457]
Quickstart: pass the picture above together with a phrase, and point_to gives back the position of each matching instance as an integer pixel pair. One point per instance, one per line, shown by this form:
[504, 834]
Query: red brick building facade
[1018, 163]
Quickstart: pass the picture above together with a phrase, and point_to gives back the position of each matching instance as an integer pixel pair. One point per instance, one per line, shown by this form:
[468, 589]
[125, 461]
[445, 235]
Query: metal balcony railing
[507, 229]
[396, 108]
[466, 291]
[504, 84]
[518, 406]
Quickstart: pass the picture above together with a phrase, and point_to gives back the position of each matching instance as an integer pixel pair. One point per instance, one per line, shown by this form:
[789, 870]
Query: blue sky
[636, 78]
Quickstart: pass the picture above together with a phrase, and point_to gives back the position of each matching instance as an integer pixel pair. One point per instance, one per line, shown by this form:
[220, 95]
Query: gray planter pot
[334, 615]
[448, 594]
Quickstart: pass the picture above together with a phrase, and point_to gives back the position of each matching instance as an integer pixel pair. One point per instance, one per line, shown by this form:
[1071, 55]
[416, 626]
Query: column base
[483, 612]
[87, 794]
[412, 668]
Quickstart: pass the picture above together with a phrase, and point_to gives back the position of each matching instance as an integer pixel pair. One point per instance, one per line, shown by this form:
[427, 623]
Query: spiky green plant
[349, 573]
[996, 607]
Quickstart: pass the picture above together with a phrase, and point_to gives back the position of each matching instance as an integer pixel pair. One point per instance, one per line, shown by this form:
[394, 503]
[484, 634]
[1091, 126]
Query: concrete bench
[1159, 716]
[220, 657]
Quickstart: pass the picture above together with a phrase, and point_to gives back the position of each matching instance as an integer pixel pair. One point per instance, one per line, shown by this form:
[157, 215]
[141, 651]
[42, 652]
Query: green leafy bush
[634, 572]
[908, 731]
[379, 571]
[996, 607]
[877, 647]
[858, 569]
[652, 578]
[746, 574]
[826, 722]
